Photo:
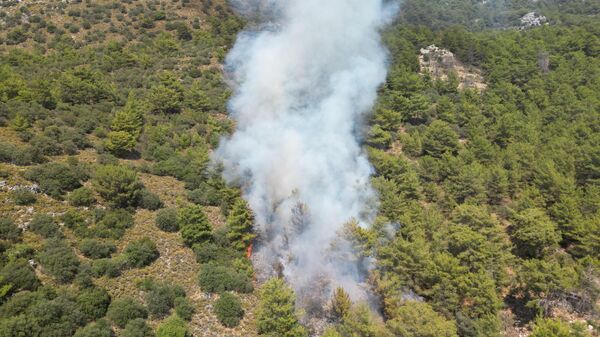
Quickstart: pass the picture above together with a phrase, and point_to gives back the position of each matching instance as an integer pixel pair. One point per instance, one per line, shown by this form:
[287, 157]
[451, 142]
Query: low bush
[123, 310]
[161, 299]
[95, 249]
[55, 178]
[138, 328]
[228, 309]
[100, 328]
[109, 267]
[22, 196]
[141, 253]
[44, 225]
[216, 278]
[82, 196]
[9, 231]
[166, 220]
[184, 308]
[150, 201]
[59, 260]
[93, 302]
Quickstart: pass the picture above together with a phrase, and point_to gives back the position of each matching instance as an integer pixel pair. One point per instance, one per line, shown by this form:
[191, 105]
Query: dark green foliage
[160, 298]
[219, 278]
[59, 260]
[141, 253]
[149, 200]
[138, 328]
[55, 178]
[100, 328]
[108, 267]
[9, 230]
[111, 223]
[23, 196]
[95, 249]
[166, 220]
[19, 275]
[123, 310]
[44, 225]
[82, 196]
[184, 308]
[228, 309]
[93, 302]
[118, 185]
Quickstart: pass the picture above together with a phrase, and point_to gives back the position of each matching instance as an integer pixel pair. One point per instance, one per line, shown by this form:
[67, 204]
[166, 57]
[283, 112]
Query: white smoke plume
[303, 85]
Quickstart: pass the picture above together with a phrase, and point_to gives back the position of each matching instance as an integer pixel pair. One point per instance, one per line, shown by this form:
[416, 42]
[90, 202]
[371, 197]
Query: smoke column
[303, 84]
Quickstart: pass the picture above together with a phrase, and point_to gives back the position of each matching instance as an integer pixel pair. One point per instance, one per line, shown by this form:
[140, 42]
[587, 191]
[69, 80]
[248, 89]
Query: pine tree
[126, 127]
[340, 303]
[276, 314]
[239, 223]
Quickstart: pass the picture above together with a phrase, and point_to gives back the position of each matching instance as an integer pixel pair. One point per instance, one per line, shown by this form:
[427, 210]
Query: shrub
[138, 328]
[229, 310]
[141, 253]
[184, 308]
[7, 152]
[44, 225]
[82, 196]
[109, 267]
[95, 249]
[22, 196]
[173, 326]
[100, 328]
[74, 220]
[111, 224]
[166, 220]
[218, 278]
[93, 302]
[161, 299]
[118, 185]
[55, 178]
[9, 231]
[58, 260]
[123, 310]
[149, 200]
[19, 275]
[209, 251]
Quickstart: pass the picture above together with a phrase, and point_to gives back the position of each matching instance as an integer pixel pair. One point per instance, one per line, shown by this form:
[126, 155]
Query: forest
[114, 223]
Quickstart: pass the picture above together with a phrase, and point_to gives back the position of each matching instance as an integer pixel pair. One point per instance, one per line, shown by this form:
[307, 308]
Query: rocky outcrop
[439, 63]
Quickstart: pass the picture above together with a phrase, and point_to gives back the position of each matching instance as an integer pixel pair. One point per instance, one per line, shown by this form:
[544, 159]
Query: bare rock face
[439, 63]
[532, 19]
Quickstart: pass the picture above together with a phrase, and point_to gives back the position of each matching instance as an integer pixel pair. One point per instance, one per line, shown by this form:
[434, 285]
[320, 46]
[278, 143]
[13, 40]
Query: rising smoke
[303, 83]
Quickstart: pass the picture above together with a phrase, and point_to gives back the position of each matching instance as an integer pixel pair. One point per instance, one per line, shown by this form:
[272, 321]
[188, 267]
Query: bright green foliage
[123, 310]
[417, 319]
[195, 227]
[84, 85]
[239, 224]
[340, 303]
[173, 326]
[167, 96]
[82, 196]
[439, 138]
[361, 322]
[126, 127]
[276, 315]
[118, 185]
[228, 309]
[550, 328]
[20, 123]
[534, 233]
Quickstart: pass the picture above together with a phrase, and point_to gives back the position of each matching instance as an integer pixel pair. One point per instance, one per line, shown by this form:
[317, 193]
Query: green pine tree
[276, 312]
[239, 223]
